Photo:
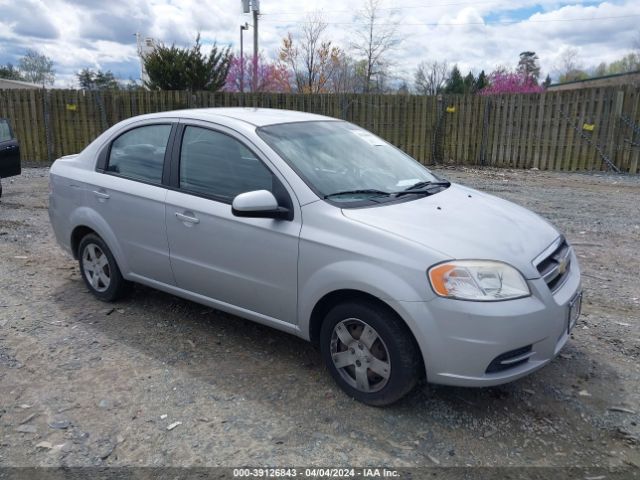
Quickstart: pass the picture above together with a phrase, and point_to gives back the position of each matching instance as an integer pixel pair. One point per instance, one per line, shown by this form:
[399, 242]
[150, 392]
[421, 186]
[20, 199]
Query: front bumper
[460, 339]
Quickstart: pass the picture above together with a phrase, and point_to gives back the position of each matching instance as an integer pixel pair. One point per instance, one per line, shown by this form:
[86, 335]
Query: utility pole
[242, 29]
[253, 6]
[139, 50]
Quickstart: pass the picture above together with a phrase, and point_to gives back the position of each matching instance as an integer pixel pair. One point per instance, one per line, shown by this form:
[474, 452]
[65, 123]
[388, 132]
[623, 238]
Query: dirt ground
[84, 383]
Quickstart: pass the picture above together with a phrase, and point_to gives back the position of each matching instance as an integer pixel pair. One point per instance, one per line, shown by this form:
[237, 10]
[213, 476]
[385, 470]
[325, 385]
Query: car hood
[463, 223]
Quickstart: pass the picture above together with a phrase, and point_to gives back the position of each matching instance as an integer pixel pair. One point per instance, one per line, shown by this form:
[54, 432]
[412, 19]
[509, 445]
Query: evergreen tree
[10, 72]
[481, 81]
[547, 82]
[528, 66]
[455, 84]
[90, 80]
[469, 83]
[174, 68]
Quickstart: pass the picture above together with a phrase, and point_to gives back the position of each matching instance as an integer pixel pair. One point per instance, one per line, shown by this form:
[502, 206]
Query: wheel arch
[329, 300]
[77, 235]
[322, 307]
[85, 220]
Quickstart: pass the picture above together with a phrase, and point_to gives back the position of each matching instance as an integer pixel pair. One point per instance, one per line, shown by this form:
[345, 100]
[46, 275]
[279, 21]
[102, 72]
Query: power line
[405, 7]
[291, 12]
[459, 24]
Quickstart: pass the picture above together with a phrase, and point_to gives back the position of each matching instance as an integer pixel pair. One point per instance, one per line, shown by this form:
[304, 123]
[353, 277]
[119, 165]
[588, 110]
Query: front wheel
[99, 269]
[370, 352]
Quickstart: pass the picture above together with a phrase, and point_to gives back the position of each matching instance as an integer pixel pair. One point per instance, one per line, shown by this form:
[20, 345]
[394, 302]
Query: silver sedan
[319, 228]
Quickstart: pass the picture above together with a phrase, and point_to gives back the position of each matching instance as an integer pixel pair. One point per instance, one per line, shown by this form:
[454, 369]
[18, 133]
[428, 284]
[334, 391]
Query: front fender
[353, 275]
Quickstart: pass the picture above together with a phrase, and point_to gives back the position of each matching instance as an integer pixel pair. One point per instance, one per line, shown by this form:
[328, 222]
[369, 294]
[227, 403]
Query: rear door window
[139, 153]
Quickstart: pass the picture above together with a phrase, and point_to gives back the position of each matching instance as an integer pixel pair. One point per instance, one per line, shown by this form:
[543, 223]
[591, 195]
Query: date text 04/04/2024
[315, 473]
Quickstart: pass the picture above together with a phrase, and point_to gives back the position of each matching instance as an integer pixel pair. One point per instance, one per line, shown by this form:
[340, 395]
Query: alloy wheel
[360, 355]
[96, 267]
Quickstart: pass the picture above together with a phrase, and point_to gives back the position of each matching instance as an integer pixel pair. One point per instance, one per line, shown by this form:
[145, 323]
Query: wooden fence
[589, 129]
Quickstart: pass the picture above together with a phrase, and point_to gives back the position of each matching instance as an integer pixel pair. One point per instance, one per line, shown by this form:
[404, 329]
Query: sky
[476, 35]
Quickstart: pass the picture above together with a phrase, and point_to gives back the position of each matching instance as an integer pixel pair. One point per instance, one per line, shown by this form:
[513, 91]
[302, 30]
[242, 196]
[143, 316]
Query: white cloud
[98, 34]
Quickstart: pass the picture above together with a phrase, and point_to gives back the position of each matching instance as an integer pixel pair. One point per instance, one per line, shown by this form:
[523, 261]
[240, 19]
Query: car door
[9, 151]
[128, 193]
[249, 264]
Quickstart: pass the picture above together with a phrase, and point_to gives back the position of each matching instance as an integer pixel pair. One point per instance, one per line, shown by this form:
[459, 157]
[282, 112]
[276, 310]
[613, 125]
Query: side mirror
[258, 204]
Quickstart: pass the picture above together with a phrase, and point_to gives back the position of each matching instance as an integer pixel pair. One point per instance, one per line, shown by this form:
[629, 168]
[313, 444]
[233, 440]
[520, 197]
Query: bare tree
[311, 58]
[345, 77]
[376, 35]
[601, 69]
[311, 42]
[37, 68]
[430, 77]
[569, 59]
[570, 68]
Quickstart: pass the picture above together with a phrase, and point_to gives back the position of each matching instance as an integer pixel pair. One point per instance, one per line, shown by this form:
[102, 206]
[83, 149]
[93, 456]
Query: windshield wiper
[356, 192]
[423, 188]
[428, 183]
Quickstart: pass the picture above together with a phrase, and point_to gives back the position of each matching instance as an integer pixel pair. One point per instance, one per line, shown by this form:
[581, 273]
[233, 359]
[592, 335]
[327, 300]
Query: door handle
[101, 194]
[187, 218]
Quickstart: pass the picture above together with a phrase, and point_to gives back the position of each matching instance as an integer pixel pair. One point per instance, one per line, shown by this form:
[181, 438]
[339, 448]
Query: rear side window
[5, 131]
[217, 165]
[139, 153]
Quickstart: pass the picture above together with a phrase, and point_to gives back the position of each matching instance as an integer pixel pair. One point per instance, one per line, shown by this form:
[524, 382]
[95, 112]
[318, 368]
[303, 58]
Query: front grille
[554, 268]
[510, 359]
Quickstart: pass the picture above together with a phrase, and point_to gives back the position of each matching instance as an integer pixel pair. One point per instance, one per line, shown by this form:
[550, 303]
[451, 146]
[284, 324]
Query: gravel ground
[85, 383]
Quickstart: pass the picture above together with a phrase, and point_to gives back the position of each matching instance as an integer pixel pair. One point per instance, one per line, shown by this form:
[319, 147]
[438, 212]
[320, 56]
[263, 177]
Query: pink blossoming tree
[272, 77]
[505, 82]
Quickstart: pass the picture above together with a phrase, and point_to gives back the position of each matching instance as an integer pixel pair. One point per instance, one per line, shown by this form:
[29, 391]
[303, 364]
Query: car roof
[254, 116]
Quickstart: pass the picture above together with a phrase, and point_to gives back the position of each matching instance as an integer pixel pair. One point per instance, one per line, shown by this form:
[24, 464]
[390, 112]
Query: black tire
[117, 286]
[397, 350]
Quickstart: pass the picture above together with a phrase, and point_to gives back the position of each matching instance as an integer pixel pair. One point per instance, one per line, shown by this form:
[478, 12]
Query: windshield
[344, 162]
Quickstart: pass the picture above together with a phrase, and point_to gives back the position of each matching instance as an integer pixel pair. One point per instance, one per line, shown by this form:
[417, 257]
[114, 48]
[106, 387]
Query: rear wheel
[369, 352]
[99, 269]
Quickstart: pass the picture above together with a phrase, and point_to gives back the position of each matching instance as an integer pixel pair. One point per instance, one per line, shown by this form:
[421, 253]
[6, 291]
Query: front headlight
[480, 280]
